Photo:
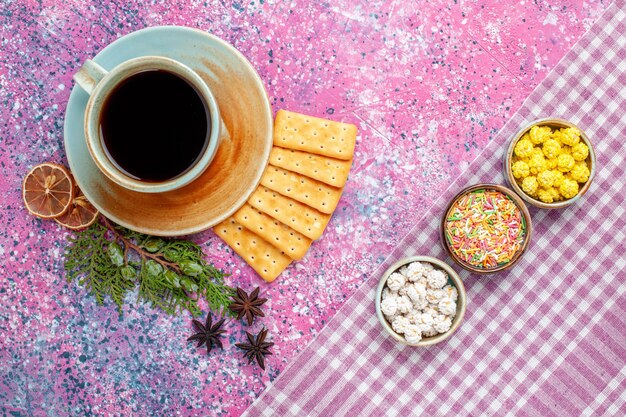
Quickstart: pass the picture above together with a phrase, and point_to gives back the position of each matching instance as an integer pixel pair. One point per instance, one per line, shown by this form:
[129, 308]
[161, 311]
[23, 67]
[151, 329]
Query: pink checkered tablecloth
[547, 337]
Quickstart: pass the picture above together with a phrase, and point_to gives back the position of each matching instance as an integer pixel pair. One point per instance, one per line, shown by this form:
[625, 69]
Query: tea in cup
[151, 123]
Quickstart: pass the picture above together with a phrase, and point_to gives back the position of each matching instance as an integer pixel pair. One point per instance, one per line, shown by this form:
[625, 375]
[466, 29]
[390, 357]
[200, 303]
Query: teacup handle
[89, 76]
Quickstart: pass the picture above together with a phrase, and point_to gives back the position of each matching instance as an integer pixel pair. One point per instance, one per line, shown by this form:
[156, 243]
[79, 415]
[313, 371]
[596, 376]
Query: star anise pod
[247, 305]
[208, 333]
[257, 347]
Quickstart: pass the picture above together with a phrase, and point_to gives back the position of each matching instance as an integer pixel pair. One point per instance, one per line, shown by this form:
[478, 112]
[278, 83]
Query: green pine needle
[111, 261]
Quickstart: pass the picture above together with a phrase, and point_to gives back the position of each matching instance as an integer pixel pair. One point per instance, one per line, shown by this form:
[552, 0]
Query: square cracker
[264, 258]
[328, 170]
[316, 194]
[300, 217]
[314, 135]
[283, 237]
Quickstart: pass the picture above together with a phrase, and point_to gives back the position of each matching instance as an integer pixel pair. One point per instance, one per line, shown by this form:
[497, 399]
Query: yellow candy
[569, 188]
[558, 136]
[579, 173]
[557, 178]
[556, 196]
[537, 163]
[552, 170]
[545, 195]
[537, 151]
[565, 163]
[524, 148]
[580, 151]
[545, 179]
[552, 163]
[530, 186]
[551, 148]
[520, 169]
[569, 136]
[581, 163]
[539, 134]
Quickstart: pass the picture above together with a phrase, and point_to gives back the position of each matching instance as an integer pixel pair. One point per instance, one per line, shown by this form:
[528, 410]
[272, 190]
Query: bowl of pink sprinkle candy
[486, 228]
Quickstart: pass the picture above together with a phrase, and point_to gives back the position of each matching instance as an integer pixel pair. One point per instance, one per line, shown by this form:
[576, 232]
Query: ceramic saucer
[238, 164]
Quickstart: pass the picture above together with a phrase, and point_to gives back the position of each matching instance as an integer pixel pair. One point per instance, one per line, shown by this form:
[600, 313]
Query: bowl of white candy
[420, 301]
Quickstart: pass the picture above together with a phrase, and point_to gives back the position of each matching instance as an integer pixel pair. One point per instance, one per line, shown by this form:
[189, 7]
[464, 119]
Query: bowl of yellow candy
[550, 163]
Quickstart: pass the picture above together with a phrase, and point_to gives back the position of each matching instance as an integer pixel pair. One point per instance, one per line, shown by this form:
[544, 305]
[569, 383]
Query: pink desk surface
[428, 85]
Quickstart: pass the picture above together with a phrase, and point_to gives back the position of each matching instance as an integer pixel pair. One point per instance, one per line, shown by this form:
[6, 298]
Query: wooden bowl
[524, 212]
[509, 159]
[453, 279]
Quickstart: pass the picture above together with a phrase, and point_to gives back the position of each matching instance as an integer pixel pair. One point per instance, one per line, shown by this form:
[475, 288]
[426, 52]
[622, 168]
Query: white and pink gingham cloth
[548, 337]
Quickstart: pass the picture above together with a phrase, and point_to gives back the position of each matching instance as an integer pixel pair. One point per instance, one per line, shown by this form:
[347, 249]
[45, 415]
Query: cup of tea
[151, 124]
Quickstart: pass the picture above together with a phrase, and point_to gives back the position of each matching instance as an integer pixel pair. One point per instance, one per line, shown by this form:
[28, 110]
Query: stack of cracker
[299, 190]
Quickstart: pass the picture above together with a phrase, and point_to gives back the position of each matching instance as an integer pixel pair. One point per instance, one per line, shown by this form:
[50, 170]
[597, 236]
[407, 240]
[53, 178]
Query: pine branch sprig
[110, 260]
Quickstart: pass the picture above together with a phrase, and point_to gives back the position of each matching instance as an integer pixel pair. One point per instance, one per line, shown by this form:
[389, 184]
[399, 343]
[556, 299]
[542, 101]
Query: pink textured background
[428, 85]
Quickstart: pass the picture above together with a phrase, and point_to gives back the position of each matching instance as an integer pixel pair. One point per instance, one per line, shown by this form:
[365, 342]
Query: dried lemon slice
[48, 190]
[81, 213]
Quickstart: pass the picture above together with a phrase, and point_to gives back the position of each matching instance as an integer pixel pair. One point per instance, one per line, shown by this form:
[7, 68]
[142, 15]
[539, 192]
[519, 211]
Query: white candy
[439, 318]
[451, 292]
[417, 294]
[420, 288]
[404, 304]
[442, 324]
[447, 306]
[434, 296]
[396, 281]
[399, 324]
[437, 279]
[421, 304]
[412, 333]
[388, 293]
[430, 332]
[418, 302]
[432, 310]
[389, 307]
[415, 271]
[425, 322]
[412, 293]
[413, 316]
